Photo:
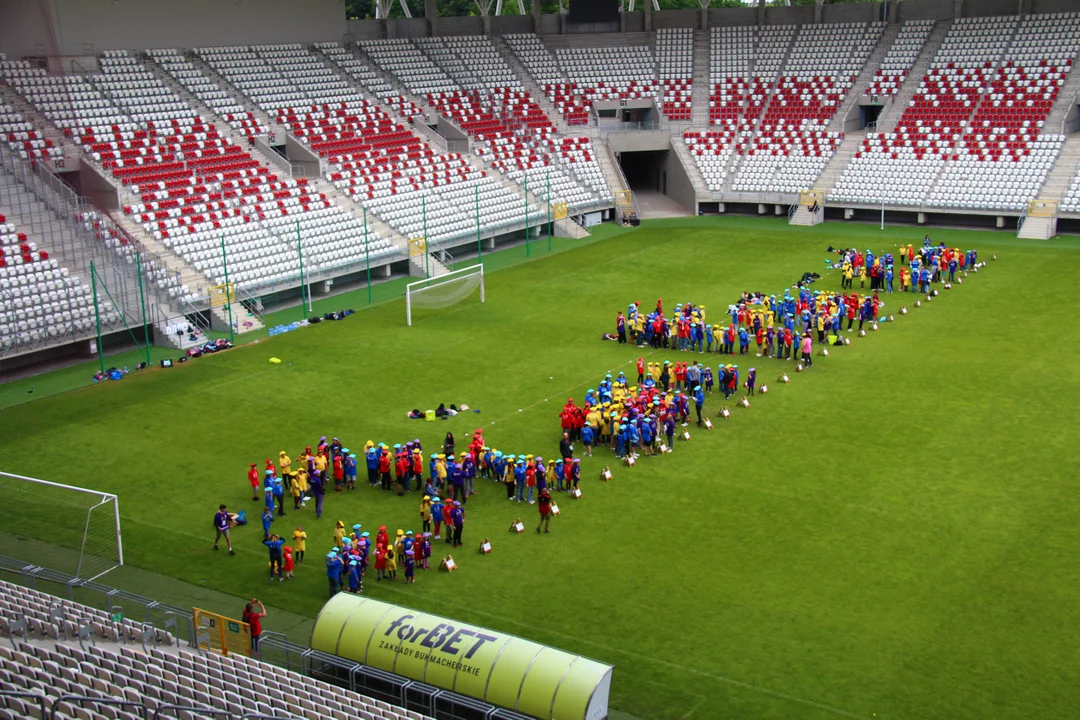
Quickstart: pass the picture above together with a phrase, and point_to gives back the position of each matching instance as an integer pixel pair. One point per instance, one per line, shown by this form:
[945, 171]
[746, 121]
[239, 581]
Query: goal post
[61, 527]
[443, 290]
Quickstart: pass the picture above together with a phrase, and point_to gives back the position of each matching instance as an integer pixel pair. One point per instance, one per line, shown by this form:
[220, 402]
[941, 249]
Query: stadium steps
[891, 115]
[866, 75]
[803, 216]
[534, 90]
[1066, 99]
[699, 98]
[239, 95]
[47, 130]
[1037, 228]
[840, 160]
[1065, 167]
[612, 174]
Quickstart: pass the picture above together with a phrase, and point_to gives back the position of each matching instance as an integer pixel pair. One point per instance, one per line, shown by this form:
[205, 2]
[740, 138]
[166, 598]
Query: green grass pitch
[892, 534]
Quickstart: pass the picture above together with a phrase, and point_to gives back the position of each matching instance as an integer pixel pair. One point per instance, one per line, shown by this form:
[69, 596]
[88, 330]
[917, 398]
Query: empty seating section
[206, 90]
[39, 299]
[970, 138]
[1071, 201]
[15, 131]
[253, 76]
[539, 63]
[731, 52]
[148, 679]
[785, 160]
[901, 56]
[711, 151]
[369, 79]
[410, 65]
[609, 73]
[675, 63]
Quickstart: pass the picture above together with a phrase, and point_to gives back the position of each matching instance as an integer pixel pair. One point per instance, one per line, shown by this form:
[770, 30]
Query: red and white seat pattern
[610, 73]
[784, 160]
[901, 56]
[369, 79]
[21, 136]
[40, 299]
[739, 95]
[541, 65]
[675, 63]
[970, 139]
[711, 151]
[195, 81]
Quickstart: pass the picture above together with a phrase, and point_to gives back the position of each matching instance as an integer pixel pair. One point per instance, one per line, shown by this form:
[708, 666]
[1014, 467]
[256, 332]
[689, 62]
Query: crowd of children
[640, 418]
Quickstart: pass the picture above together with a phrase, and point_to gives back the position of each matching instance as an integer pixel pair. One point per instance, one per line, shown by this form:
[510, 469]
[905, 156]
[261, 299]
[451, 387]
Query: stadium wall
[87, 27]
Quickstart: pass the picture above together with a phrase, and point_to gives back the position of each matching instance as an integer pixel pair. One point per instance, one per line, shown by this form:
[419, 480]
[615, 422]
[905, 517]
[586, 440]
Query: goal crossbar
[431, 283]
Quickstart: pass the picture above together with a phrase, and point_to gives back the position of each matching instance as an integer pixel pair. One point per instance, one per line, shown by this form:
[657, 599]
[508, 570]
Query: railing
[793, 209]
[43, 206]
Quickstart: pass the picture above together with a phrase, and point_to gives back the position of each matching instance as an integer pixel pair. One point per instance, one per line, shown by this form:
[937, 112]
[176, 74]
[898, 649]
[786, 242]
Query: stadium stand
[972, 138]
[145, 670]
[541, 65]
[897, 63]
[675, 68]
[41, 298]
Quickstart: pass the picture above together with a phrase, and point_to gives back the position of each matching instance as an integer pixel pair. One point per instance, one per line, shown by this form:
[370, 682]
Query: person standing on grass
[253, 618]
[566, 449]
[457, 517]
[274, 543]
[267, 520]
[318, 491]
[693, 375]
[699, 402]
[333, 571]
[222, 524]
[807, 350]
[545, 511]
[299, 542]
[253, 480]
[620, 328]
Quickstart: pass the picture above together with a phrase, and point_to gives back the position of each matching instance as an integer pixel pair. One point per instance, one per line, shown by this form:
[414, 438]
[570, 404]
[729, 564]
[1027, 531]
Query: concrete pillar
[535, 11]
[720, 208]
[761, 12]
[761, 209]
[705, 18]
[1001, 221]
[958, 8]
[894, 12]
[921, 219]
[622, 22]
[817, 11]
[648, 15]
[487, 24]
[778, 209]
[1025, 7]
[431, 13]
[849, 213]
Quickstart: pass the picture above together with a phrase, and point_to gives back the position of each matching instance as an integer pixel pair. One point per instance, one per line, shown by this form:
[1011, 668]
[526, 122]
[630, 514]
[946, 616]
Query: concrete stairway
[1066, 99]
[840, 159]
[865, 76]
[702, 89]
[612, 174]
[1061, 175]
[891, 115]
[803, 216]
[529, 83]
[1038, 228]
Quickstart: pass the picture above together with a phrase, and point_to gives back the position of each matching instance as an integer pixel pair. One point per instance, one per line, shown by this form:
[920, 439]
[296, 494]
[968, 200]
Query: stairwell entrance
[659, 183]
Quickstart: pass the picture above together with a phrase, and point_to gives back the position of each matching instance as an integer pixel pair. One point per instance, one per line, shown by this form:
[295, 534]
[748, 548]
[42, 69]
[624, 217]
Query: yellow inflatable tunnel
[500, 669]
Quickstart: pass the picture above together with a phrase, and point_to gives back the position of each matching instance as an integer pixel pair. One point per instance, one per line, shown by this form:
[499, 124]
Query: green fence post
[367, 258]
[549, 208]
[528, 250]
[97, 315]
[228, 295]
[142, 305]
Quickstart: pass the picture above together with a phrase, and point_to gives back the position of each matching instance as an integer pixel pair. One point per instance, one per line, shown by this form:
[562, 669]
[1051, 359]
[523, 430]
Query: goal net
[444, 290]
[60, 527]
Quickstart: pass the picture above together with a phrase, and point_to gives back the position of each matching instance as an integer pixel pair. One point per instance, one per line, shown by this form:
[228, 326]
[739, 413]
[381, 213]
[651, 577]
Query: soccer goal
[61, 527]
[443, 290]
